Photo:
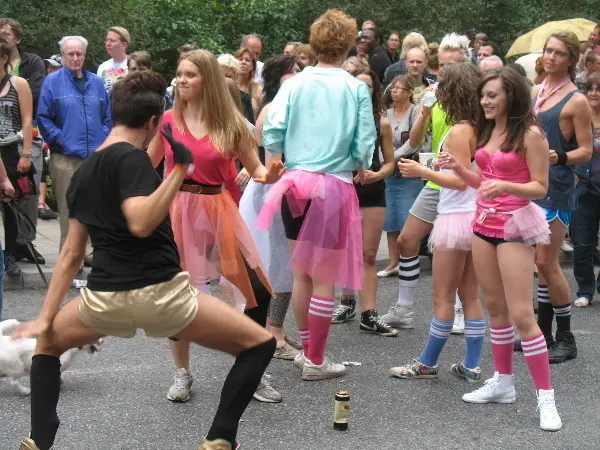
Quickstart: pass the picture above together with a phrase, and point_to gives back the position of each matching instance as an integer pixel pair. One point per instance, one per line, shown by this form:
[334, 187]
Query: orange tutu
[214, 242]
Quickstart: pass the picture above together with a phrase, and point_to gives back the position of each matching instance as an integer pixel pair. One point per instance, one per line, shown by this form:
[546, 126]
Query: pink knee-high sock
[319, 322]
[502, 348]
[535, 350]
[303, 332]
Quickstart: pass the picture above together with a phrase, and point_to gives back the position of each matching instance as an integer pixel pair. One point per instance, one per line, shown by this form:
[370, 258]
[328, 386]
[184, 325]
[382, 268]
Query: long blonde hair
[226, 126]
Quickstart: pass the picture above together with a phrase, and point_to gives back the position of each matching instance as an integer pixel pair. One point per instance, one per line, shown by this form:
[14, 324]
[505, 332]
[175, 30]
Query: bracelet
[562, 159]
[26, 155]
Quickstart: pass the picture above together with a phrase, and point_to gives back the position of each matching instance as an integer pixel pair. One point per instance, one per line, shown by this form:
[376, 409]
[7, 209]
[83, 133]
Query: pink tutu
[527, 223]
[214, 242]
[329, 245]
[452, 231]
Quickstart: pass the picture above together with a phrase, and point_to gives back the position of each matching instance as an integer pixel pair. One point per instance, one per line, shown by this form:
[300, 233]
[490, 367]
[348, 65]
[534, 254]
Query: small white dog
[15, 355]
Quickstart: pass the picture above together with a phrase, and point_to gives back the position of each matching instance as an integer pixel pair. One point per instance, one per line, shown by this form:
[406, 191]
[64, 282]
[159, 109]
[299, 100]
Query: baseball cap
[54, 60]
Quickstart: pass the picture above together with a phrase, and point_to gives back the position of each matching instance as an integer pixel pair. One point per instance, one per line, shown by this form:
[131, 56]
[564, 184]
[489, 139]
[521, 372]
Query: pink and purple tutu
[452, 231]
[329, 244]
[527, 223]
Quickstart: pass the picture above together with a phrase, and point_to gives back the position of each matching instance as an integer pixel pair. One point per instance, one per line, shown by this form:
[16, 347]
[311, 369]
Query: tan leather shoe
[28, 444]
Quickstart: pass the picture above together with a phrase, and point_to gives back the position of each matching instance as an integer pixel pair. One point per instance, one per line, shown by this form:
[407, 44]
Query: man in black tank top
[565, 116]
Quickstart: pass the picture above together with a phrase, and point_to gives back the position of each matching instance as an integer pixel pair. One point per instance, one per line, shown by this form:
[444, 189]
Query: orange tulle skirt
[214, 242]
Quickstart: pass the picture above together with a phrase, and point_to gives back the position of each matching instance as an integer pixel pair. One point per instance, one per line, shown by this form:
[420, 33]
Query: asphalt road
[117, 399]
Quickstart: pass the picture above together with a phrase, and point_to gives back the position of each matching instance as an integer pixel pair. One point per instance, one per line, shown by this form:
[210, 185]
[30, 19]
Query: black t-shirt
[122, 262]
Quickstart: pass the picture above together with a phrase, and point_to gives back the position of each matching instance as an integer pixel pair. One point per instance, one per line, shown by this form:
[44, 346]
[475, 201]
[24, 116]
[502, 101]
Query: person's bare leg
[372, 227]
[392, 242]
[66, 332]
[302, 291]
[181, 354]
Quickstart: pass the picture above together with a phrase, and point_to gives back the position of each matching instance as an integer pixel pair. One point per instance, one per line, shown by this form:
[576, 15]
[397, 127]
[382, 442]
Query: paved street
[117, 400]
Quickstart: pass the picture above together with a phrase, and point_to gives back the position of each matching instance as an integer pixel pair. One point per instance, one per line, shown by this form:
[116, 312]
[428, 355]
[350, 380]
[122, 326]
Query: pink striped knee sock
[303, 332]
[319, 322]
[535, 350]
[502, 348]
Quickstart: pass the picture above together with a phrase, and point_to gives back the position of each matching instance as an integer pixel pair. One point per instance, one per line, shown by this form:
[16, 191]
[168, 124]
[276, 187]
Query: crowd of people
[276, 180]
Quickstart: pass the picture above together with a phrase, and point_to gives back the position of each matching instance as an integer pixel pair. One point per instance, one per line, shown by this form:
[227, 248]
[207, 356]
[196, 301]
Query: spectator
[289, 48]
[354, 65]
[594, 39]
[411, 40]
[416, 62]
[486, 49]
[591, 65]
[16, 106]
[433, 62]
[117, 42]
[587, 215]
[478, 41]
[539, 71]
[305, 54]
[139, 61]
[378, 58]
[53, 64]
[490, 63]
[31, 68]
[74, 118]
[229, 66]
[253, 43]
[246, 83]
[368, 25]
[393, 44]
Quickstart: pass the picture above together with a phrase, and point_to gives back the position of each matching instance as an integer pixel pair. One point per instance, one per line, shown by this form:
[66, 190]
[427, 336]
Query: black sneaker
[345, 311]
[565, 348]
[46, 213]
[518, 346]
[370, 322]
[10, 265]
[23, 253]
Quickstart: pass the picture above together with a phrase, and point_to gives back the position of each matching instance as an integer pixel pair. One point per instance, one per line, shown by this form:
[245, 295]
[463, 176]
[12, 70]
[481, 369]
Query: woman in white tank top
[452, 233]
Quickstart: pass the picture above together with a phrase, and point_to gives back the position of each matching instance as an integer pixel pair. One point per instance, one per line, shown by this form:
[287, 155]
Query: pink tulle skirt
[329, 245]
[452, 231]
[214, 242]
[527, 223]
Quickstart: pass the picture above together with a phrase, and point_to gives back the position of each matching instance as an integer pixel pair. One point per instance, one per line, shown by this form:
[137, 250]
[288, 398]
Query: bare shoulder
[19, 83]
[578, 101]
[535, 139]
[462, 130]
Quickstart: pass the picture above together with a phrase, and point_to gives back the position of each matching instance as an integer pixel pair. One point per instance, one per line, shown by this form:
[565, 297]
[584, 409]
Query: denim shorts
[560, 214]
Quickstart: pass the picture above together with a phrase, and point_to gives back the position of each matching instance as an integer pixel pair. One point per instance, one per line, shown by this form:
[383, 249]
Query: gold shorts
[161, 310]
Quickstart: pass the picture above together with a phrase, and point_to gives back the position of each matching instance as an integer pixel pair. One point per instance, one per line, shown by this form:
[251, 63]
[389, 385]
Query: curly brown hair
[457, 92]
[332, 35]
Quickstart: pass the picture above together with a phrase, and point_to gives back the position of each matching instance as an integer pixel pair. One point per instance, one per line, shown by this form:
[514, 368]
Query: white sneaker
[299, 360]
[182, 384]
[459, 322]
[549, 418]
[312, 372]
[400, 317]
[498, 389]
[388, 273]
[266, 393]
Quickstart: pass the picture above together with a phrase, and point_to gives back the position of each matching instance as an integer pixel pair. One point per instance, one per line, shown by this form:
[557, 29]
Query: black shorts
[291, 224]
[371, 195]
[497, 241]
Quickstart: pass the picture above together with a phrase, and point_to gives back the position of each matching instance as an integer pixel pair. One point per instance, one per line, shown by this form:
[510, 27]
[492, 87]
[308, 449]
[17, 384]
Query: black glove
[181, 154]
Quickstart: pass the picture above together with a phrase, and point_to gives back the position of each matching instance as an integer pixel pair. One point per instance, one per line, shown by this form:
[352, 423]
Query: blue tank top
[561, 180]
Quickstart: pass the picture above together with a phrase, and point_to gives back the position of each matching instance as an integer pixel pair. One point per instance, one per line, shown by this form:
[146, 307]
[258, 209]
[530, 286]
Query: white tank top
[454, 201]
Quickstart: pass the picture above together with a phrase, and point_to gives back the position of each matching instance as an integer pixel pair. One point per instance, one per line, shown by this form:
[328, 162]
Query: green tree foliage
[160, 26]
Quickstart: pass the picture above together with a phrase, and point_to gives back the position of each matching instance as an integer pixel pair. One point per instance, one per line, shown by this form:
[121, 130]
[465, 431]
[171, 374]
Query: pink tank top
[505, 166]
[210, 167]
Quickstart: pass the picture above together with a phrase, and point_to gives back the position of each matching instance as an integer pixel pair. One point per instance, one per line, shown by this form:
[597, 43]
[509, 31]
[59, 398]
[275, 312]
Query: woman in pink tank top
[512, 170]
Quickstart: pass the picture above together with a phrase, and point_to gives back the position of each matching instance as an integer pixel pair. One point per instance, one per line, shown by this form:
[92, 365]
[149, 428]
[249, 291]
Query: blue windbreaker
[72, 123]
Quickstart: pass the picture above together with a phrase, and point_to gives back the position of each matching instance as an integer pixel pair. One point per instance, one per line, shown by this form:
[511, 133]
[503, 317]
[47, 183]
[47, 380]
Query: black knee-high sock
[546, 312]
[239, 387]
[563, 318]
[263, 299]
[45, 389]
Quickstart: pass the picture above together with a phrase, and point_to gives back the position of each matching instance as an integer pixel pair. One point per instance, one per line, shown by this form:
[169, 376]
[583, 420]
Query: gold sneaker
[218, 444]
[28, 444]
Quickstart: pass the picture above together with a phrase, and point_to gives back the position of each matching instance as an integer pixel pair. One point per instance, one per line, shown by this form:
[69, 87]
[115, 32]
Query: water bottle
[429, 99]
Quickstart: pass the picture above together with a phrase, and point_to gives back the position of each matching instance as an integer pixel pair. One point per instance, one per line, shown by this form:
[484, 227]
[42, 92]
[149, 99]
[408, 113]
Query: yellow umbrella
[535, 39]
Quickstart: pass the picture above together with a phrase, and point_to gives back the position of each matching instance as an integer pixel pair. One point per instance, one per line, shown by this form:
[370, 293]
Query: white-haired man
[74, 118]
[490, 63]
[453, 48]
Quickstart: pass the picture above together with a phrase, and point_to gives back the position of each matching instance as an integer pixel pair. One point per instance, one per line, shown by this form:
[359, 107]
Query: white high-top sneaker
[549, 418]
[498, 389]
[400, 317]
[458, 327]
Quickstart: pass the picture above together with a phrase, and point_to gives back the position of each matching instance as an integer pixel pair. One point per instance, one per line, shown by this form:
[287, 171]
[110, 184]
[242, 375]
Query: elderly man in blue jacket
[74, 118]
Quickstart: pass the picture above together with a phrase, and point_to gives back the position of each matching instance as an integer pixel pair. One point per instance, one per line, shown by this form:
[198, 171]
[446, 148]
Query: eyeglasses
[551, 51]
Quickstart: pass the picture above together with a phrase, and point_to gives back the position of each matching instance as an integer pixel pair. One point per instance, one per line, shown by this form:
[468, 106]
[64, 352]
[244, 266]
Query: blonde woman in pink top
[512, 170]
